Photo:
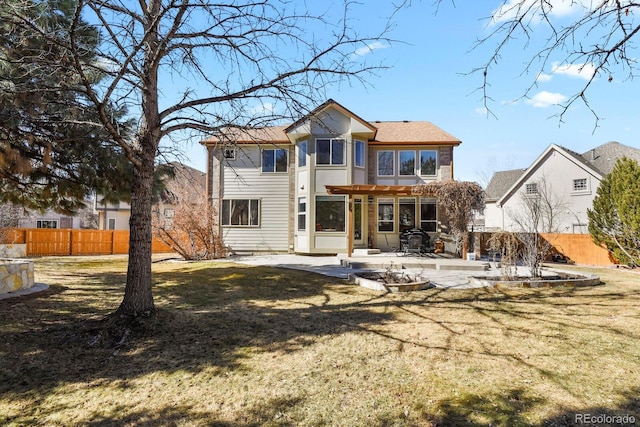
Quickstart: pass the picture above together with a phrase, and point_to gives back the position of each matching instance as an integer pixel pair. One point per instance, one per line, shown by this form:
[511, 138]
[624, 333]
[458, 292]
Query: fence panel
[579, 248]
[60, 242]
[91, 242]
[48, 242]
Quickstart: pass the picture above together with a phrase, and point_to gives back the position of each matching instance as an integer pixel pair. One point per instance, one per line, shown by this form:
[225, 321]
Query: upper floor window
[385, 163]
[229, 153]
[240, 212]
[580, 184]
[531, 188]
[46, 223]
[330, 151]
[359, 154]
[407, 163]
[274, 160]
[302, 153]
[428, 162]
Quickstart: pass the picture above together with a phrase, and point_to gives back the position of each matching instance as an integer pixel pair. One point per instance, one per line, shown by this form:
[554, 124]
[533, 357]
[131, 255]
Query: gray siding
[243, 179]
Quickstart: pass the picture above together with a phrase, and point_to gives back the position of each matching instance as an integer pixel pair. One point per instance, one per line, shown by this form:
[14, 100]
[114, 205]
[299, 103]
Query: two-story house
[565, 180]
[327, 183]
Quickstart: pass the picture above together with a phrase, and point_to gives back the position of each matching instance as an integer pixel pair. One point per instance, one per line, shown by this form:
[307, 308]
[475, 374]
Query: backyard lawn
[250, 346]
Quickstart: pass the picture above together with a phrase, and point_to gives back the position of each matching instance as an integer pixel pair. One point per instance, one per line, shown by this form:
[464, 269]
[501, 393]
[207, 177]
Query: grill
[414, 240]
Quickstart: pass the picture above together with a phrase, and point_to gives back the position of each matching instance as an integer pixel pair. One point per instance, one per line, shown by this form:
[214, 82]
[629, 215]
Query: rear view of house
[326, 183]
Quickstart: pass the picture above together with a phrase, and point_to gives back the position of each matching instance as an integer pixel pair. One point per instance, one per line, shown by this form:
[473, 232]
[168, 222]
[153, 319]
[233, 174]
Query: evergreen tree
[53, 153]
[615, 219]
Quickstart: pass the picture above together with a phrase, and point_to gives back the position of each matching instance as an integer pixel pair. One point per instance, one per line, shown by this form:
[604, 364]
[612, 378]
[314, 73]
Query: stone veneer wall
[15, 275]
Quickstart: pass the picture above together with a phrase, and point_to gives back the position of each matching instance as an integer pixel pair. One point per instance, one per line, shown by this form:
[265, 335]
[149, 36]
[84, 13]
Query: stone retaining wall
[15, 275]
[13, 250]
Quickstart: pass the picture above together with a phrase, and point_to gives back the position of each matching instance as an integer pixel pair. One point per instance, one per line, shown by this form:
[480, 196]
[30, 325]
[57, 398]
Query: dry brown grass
[248, 346]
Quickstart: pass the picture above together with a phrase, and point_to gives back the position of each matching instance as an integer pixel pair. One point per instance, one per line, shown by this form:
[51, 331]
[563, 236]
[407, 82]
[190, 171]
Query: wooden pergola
[372, 190]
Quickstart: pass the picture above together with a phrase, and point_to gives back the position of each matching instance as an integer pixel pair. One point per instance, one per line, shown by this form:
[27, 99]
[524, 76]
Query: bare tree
[191, 67]
[541, 211]
[459, 200]
[599, 43]
[184, 219]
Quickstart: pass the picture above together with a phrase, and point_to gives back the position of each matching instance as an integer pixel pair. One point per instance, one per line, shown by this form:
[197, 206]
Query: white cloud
[532, 9]
[543, 77]
[481, 111]
[365, 50]
[546, 99]
[582, 71]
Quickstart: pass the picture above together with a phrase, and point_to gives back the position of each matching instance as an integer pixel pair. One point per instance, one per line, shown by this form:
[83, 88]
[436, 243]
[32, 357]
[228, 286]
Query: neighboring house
[115, 216]
[567, 178]
[326, 183]
[17, 217]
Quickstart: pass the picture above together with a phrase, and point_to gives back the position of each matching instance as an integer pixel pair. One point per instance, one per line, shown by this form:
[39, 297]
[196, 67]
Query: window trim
[414, 162]
[355, 153]
[302, 154]
[331, 141]
[428, 201]
[419, 165]
[275, 158]
[392, 220]
[235, 199]
[302, 214]
[54, 221]
[318, 198]
[393, 162]
[229, 153]
[531, 189]
[584, 190]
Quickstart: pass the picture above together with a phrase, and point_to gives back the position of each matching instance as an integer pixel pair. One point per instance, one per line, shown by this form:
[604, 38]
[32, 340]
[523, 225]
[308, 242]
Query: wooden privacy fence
[50, 242]
[579, 248]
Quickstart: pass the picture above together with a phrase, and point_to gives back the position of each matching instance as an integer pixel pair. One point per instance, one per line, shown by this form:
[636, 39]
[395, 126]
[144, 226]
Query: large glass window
[531, 189]
[302, 153]
[330, 213]
[359, 154]
[428, 215]
[428, 162]
[240, 212]
[385, 215]
[407, 163]
[385, 163]
[302, 213]
[275, 160]
[407, 213]
[330, 151]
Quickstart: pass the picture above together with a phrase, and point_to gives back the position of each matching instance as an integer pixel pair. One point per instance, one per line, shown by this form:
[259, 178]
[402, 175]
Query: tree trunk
[138, 298]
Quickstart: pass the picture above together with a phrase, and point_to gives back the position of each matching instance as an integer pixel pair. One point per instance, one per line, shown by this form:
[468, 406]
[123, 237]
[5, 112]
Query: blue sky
[430, 80]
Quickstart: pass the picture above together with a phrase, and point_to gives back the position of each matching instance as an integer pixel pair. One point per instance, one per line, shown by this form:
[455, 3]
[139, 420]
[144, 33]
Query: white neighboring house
[276, 188]
[17, 217]
[564, 175]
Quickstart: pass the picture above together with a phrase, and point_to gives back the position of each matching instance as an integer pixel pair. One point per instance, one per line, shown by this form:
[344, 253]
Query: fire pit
[15, 274]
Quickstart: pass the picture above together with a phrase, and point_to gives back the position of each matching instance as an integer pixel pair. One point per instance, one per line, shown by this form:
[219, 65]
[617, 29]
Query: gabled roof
[330, 103]
[378, 132]
[603, 157]
[270, 134]
[500, 182]
[408, 132]
[570, 155]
